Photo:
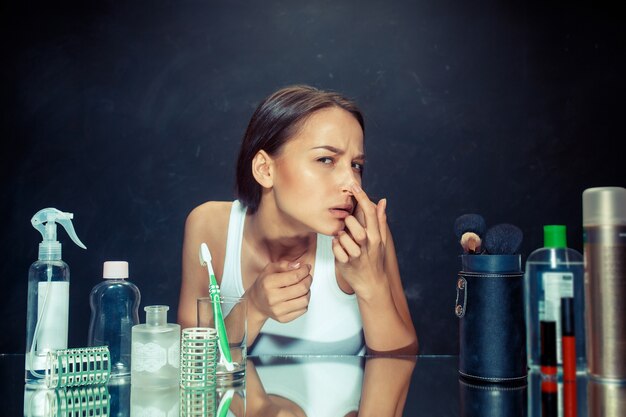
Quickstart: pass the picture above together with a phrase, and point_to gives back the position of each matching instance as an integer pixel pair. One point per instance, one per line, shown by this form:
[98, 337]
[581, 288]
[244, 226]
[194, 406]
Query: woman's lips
[340, 213]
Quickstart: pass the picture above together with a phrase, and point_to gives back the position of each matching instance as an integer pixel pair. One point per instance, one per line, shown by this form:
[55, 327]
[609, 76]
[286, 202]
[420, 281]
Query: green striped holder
[198, 358]
[78, 367]
[92, 401]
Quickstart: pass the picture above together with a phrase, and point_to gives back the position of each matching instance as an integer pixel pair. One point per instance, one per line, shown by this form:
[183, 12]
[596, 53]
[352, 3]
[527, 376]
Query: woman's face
[314, 171]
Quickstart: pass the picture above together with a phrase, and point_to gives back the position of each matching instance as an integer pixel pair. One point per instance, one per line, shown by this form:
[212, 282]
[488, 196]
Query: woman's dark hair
[275, 121]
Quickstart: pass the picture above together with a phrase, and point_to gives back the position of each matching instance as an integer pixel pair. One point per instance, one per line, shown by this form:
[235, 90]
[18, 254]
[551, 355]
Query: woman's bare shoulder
[208, 223]
[210, 212]
[209, 220]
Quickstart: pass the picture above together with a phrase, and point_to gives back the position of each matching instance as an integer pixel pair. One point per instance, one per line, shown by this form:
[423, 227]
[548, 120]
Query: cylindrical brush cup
[492, 399]
[490, 308]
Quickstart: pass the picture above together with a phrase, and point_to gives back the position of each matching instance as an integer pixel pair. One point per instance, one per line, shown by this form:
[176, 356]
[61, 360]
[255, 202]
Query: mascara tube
[549, 397]
[568, 339]
[548, 348]
[549, 386]
[568, 344]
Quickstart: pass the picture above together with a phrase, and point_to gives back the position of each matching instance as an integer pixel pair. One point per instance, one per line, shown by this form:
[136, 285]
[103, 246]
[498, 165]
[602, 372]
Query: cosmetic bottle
[48, 294]
[604, 236]
[155, 357]
[114, 311]
[553, 272]
[161, 402]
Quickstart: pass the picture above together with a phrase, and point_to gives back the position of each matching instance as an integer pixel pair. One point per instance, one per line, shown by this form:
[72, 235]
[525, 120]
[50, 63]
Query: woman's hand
[281, 292]
[360, 248]
[365, 257]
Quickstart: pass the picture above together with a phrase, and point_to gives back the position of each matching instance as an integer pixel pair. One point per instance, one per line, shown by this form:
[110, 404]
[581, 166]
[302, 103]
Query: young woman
[303, 243]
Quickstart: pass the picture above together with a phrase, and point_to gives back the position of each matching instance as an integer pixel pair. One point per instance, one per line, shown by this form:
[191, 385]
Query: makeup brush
[469, 229]
[503, 239]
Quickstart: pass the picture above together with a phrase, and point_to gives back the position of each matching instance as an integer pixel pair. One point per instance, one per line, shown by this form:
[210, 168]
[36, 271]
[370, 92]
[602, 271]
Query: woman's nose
[347, 178]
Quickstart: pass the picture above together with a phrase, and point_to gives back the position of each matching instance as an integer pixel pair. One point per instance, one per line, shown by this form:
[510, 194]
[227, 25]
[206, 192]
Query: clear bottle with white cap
[47, 315]
[114, 311]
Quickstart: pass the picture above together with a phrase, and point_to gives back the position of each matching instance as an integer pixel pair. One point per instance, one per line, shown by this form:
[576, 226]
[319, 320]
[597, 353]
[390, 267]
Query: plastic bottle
[48, 294]
[553, 272]
[114, 311]
[604, 227]
[156, 350]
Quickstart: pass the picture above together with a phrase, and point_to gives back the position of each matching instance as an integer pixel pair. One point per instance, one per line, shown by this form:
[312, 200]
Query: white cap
[115, 270]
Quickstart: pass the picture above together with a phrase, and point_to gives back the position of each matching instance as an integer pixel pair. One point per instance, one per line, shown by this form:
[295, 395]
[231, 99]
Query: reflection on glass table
[285, 386]
[318, 386]
[328, 386]
[293, 386]
[91, 400]
[495, 400]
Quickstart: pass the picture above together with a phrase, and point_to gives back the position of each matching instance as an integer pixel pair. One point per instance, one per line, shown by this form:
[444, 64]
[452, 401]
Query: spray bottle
[604, 237]
[48, 294]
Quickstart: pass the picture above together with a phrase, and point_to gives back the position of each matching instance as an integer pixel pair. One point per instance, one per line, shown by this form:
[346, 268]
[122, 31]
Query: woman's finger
[340, 254]
[381, 214]
[291, 309]
[297, 290]
[369, 211]
[351, 248]
[356, 230]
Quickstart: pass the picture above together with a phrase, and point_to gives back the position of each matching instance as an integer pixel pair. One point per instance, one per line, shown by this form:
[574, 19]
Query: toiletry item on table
[214, 312]
[48, 294]
[475, 239]
[568, 344]
[198, 358]
[114, 311]
[214, 292]
[155, 354]
[553, 272]
[146, 401]
[604, 236]
[469, 230]
[490, 306]
[78, 366]
[88, 400]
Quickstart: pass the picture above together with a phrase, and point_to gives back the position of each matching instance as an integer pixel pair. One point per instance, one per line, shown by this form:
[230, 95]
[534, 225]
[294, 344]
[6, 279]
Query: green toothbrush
[222, 409]
[214, 293]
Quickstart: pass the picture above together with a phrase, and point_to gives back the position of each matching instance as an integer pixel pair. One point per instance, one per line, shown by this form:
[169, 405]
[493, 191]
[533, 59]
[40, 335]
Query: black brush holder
[490, 308]
[493, 400]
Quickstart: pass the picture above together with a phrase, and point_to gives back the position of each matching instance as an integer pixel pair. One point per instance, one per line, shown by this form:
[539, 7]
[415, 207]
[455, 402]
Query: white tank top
[332, 323]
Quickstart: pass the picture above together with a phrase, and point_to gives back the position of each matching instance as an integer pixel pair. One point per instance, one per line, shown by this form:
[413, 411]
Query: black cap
[567, 316]
[548, 343]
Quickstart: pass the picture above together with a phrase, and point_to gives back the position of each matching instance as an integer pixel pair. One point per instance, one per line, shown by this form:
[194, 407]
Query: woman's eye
[358, 166]
[326, 160]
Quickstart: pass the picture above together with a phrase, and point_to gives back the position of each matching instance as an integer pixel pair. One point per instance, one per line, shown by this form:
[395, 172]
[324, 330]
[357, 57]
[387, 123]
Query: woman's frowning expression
[315, 169]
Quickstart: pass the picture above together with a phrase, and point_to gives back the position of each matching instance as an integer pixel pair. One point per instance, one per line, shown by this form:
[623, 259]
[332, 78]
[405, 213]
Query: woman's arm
[366, 259]
[281, 291]
[387, 322]
[206, 223]
[260, 404]
[385, 386]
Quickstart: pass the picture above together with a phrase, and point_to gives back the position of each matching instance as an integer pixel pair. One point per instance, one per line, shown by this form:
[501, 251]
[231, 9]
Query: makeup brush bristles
[503, 239]
[469, 229]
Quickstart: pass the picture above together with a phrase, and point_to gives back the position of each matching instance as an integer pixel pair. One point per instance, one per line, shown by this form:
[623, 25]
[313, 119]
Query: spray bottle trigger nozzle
[44, 221]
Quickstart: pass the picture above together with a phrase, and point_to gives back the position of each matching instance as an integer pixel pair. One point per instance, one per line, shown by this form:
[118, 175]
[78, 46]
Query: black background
[129, 114]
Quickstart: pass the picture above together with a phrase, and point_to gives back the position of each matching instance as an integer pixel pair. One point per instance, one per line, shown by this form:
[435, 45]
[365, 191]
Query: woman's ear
[262, 169]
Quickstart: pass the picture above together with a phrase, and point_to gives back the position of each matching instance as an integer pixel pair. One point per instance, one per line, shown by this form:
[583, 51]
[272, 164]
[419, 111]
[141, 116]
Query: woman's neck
[272, 237]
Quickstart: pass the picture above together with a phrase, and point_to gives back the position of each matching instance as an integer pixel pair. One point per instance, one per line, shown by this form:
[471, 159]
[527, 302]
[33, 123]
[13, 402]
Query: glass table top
[322, 386]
